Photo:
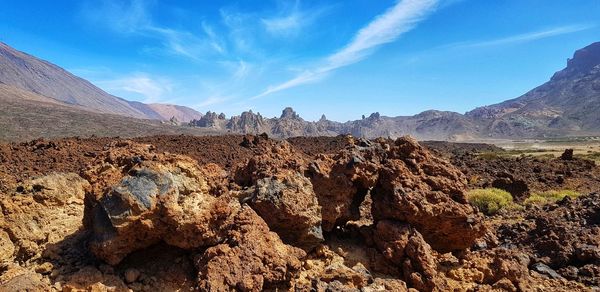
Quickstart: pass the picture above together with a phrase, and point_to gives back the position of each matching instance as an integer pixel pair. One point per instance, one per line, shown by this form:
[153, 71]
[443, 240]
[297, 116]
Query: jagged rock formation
[566, 105]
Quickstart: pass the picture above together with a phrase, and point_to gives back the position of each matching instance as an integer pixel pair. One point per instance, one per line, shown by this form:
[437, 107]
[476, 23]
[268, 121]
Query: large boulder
[427, 192]
[290, 207]
[41, 214]
[40, 229]
[139, 198]
[251, 259]
[341, 181]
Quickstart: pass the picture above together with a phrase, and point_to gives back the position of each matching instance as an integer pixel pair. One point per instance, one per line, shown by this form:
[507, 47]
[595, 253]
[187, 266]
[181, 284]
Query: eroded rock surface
[428, 192]
[251, 259]
[364, 215]
[140, 198]
[289, 206]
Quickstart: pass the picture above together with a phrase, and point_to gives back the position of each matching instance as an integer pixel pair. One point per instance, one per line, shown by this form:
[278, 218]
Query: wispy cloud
[524, 37]
[385, 28]
[212, 100]
[291, 20]
[150, 88]
[132, 17]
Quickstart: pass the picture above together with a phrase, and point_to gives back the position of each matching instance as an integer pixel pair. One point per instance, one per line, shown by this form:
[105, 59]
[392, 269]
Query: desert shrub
[549, 197]
[490, 200]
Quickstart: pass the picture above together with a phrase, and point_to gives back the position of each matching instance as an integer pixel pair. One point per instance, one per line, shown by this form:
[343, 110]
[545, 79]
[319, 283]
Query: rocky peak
[210, 119]
[289, 113]
[582, 62]
[374, 116]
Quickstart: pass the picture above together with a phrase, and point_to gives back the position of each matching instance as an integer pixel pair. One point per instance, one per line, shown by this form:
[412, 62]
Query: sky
[340, 58]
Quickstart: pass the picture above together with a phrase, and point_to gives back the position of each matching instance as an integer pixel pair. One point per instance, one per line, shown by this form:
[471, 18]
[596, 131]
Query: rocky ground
[248, 213]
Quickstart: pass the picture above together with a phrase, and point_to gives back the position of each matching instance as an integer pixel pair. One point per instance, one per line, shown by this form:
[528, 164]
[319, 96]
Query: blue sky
[341, 58]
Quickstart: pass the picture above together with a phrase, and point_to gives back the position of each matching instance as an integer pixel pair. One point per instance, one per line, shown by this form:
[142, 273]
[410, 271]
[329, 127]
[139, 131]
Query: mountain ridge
[30, 73]
[567, 105]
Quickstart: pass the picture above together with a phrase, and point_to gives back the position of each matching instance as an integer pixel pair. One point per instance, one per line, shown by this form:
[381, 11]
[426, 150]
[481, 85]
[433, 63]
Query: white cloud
[291, 20]
[523, 38]
[151, 88]
[385, 28]
[133, 18]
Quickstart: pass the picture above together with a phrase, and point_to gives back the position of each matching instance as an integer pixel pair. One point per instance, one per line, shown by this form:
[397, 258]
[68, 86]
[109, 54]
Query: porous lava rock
[270, 157]
[288, 204]
[140, 198]
[427, 192]
[41, 215]
[404, 246]
[341, 181]
[564, 236]
[251, 259]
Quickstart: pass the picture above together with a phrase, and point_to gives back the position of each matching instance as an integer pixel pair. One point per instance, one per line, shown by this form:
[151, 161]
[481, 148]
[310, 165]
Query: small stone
[131, 275]
[44, 268]
[544, 269]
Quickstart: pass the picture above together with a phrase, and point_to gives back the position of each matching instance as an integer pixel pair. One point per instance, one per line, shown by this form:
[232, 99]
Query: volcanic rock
[563, 236]
[47, 210]
[567, 155]
[251, 259]
[290, 207]
[271, 157]
[428, 192]
[139, 199]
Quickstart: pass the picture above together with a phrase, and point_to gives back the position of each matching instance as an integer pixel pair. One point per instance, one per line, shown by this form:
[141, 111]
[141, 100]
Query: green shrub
[549, 197]
[489, 201]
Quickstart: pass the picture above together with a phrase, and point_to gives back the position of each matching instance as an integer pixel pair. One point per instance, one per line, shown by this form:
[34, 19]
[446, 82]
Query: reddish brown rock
[565, 236]
[139, 198]
[271, 157]
[428, 192]
[290, 207]
[251, 259]
[404, 246]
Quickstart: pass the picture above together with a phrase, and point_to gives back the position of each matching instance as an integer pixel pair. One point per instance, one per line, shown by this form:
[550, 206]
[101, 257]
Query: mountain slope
[25, 115]
[569, 103]
[29, 73]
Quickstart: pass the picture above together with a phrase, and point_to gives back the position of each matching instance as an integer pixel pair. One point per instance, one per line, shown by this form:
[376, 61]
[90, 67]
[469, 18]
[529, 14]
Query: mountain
[567, 105]
[430, 125]
[25, 115]
[42, 99]
[29, 73]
